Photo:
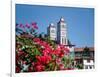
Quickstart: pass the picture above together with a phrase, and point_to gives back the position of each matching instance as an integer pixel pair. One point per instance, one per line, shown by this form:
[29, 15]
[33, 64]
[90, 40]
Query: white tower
[62, 32]
[52, 31]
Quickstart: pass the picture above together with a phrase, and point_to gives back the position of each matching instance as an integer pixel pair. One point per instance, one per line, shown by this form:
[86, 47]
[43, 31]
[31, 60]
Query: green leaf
[36, 52]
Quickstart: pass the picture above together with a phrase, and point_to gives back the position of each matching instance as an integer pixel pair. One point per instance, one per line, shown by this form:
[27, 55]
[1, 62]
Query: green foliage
[79, 66]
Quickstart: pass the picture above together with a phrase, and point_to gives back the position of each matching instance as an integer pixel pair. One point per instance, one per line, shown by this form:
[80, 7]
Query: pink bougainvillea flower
[57, 52]
[21, 25]
[47, 51]
[24, 62]
[20, 53]
[61, 66]
[27, 25]
[38, 58]
[18, 69]
[43, 59]
[33, 63]
[61, 55]
[58, 60]
[34, 25]
[37, 40]
[40, 68]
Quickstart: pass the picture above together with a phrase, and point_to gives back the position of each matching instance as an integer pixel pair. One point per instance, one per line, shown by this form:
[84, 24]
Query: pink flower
[37, 40]
[33, 63]
[34, 25]
[17, 69]
[39, 68]
[58, 60]
[38, 58]
[24, 62]
[61, 55]
[43, 59]
[21, 26]
[57, 52]
[61, 66]
[20, 53]
[27, 25]
[47, 51]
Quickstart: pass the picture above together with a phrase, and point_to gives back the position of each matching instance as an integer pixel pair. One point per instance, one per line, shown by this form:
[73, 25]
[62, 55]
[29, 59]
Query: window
[63, 26]
[90, 67]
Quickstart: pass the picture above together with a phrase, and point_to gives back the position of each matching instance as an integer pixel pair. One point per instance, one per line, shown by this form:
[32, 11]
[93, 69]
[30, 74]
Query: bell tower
[62, 32]
[52, 31]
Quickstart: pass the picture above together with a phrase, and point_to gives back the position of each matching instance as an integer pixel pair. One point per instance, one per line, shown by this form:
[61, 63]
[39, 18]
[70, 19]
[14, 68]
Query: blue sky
[80, 21]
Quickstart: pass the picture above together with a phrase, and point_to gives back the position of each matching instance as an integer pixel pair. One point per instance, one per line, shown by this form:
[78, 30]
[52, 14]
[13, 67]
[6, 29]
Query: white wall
[89, 64]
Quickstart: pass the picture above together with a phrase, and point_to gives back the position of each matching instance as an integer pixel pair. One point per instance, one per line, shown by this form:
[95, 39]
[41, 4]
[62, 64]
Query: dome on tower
[62, 19]
[51, 25]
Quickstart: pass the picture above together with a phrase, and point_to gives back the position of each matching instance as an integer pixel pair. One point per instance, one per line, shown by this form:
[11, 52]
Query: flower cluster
[36, 54]
[27, 28]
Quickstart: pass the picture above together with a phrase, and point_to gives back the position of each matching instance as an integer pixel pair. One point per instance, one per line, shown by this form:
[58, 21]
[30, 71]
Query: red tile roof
[82, 49]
